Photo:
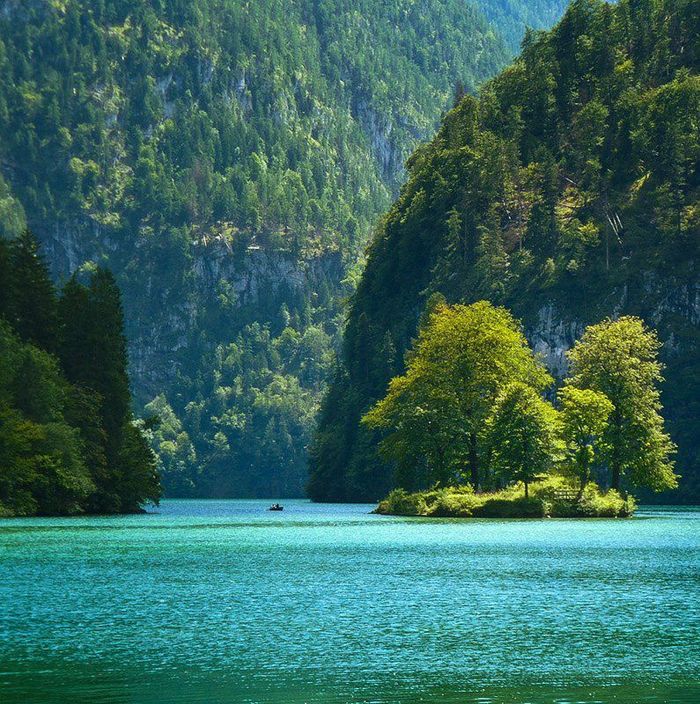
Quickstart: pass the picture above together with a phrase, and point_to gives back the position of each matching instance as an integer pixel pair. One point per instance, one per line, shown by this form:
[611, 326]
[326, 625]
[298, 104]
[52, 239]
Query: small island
[475, 429]
[551, 498]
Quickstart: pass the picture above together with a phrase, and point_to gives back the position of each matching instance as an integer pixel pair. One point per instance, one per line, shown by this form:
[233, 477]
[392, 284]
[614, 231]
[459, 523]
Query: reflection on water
[221, 601]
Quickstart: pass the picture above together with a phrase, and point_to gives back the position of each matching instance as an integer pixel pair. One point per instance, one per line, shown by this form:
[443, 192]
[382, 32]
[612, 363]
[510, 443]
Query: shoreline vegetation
[553, 497]
[69, 441]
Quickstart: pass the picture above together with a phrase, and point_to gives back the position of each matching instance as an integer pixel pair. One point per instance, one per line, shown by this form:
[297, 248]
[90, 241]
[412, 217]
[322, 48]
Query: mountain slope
[568, 191]
[227, 161]
[512, 17]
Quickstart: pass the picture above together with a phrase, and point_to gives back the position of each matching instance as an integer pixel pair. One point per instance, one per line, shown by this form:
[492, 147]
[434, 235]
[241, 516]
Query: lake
[223, 601]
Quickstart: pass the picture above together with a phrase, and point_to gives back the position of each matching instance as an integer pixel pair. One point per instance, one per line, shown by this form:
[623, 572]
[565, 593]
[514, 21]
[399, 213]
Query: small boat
[276, 507]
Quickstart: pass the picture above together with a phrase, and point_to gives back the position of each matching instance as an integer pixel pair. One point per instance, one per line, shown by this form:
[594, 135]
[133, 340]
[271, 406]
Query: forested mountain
[68, 440]
[568, 191]
[513, 17]
[227, 160]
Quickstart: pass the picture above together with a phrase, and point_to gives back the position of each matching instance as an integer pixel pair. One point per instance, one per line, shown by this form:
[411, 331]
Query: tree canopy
[521, 436]
[584, 418]
[68, 440]
[619, 359]
[435, 412]
[470, 407]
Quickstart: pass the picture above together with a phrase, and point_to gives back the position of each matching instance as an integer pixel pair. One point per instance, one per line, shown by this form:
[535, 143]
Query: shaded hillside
[568, 191]
[227, 160]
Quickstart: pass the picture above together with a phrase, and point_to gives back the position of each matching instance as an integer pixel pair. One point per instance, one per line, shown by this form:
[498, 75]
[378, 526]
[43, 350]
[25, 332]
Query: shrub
[401, 503]
[449, 503]
[608, 504]
[521, 507]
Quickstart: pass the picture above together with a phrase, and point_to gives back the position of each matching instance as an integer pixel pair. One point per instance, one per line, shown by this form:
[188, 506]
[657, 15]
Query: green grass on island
[553, 497]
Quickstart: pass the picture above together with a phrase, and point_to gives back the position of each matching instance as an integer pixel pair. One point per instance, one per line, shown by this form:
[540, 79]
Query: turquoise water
[223, 601]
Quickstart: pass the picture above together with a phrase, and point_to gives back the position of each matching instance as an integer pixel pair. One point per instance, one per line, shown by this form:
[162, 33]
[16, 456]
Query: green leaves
[470, 398]
[436, 411]
[584, 421]
[521, 435]
[42, 465]
[569, 184]
[67, 439]
[618, 359]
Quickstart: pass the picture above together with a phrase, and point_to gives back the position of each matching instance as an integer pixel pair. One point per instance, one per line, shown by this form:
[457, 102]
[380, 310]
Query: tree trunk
[527, 493]
[579, 496]
[585, 476]
[473, 462]
[615, 461]
[441, 478]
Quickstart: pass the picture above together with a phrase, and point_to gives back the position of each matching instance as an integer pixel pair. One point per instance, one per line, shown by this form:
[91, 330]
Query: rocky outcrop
[552, 336]
[667, 304]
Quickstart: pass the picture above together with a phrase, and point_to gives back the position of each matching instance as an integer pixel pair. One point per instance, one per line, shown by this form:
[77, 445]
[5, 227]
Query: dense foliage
[619, 362]
[521, 436]
[568, 191]
[464, 358]
[470, 407]
[512, 17]
[227, 159]
[584, 421]
[68, 440]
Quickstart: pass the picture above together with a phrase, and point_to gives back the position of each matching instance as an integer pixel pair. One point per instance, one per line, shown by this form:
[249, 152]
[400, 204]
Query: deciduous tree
[462, 359]
[584, 420]
[521, 434]
[619, 358]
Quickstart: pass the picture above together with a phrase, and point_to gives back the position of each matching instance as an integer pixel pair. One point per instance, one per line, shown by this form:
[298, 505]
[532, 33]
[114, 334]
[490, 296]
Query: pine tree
[104, 367]
[76, 322]
[94, 356]
[139, 480]
[33, 312]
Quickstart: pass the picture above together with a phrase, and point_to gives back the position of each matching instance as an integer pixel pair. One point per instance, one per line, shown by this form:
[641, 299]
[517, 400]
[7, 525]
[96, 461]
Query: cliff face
[229, 345]
[552, 336]
[567, 192]
[165, 317]
[668, 304]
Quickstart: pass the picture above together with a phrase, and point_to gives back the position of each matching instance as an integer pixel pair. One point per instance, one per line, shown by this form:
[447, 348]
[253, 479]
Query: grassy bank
[553, 497]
